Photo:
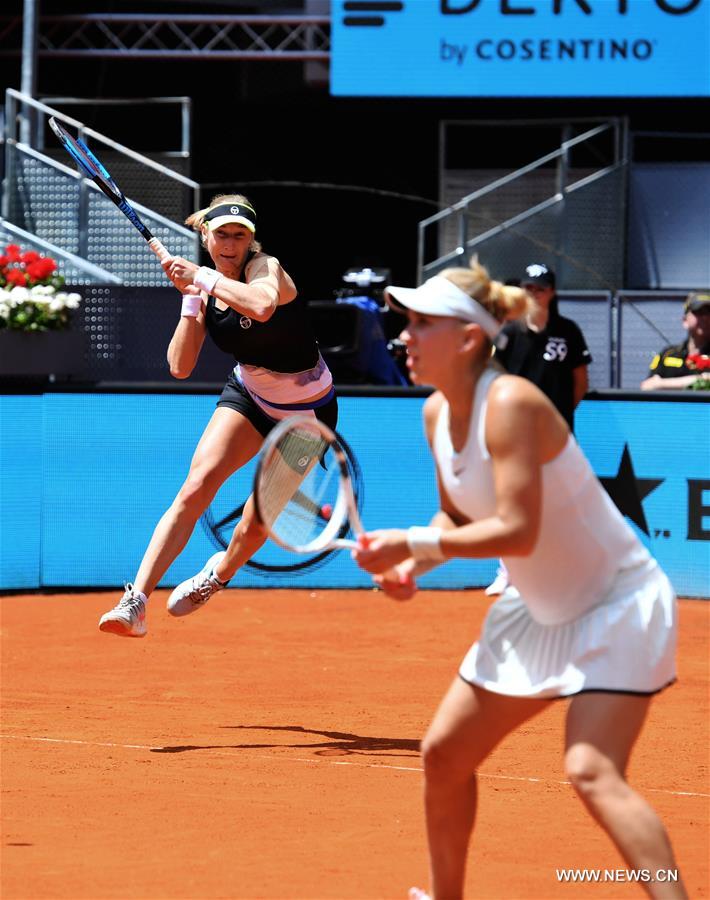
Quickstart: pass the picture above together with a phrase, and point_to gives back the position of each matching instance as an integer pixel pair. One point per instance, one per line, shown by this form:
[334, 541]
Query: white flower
[71, 301]
[4, 310]
[42, 290]
[19, 294]
[56, 304]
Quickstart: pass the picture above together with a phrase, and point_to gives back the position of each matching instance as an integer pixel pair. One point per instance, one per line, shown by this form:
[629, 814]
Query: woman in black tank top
[249, 307]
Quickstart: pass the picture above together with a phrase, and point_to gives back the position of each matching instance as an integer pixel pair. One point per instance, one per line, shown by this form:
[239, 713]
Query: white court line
[46, 740]
[326, 762]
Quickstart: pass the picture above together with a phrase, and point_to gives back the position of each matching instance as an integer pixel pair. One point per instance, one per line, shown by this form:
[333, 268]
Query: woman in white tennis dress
[595, 616]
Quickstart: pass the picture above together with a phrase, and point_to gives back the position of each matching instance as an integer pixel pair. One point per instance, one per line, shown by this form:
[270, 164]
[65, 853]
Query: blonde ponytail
[502, 301]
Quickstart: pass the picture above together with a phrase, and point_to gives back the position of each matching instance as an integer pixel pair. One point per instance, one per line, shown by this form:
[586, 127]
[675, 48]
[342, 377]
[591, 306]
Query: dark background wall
[260, 122]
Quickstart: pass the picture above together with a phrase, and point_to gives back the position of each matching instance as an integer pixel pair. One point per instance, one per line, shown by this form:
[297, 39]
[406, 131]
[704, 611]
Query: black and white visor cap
[231, 213]
[440, 297]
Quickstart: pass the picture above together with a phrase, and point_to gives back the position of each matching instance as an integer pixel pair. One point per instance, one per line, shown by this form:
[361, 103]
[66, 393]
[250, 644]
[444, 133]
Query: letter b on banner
[697, 510]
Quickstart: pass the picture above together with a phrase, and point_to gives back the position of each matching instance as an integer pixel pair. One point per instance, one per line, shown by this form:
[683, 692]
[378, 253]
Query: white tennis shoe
[196, 591]
[416, 893]
[127, 618]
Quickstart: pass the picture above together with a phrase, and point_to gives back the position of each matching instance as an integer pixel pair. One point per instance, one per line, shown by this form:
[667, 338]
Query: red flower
[41, 269]
[35, 271]
[16, 277]
[28, 269]
[698, 361]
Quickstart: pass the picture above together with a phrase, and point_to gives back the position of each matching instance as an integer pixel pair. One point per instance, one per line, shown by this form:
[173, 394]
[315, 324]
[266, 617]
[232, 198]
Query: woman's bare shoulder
[517, 406]
[261, 263]
[512, 390]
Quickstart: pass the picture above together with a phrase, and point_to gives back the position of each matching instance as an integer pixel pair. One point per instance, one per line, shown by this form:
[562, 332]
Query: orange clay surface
[268, 747]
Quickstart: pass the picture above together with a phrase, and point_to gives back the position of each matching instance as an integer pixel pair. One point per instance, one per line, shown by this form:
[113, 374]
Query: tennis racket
[303, 491]
[91, 167]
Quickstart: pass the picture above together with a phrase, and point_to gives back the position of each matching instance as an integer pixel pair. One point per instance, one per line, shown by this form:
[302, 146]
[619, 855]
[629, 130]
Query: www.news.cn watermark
[604, 876]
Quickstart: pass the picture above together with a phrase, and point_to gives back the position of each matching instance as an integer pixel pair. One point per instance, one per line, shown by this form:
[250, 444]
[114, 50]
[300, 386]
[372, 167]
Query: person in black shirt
[249, 307]
[549, 350]
[680, 366]
[546, 348]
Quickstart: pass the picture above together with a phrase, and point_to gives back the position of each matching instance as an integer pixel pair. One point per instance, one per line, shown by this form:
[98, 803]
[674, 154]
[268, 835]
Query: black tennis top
[284, 343]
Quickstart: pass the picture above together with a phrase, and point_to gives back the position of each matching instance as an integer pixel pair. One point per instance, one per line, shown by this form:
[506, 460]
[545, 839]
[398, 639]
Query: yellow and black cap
[231, 213]
[696, 301]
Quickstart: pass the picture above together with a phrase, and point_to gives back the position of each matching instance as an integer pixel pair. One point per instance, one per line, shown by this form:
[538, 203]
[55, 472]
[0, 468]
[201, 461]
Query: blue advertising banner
[21, 489]
[520, 48]
[85, 478]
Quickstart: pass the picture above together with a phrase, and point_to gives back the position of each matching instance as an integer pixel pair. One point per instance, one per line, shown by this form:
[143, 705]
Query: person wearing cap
[595, 619]
[248, 305]
[681, 366]
[549, 350]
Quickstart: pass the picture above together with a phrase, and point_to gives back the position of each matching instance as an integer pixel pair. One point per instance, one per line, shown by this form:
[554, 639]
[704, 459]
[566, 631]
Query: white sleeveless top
[584, 542]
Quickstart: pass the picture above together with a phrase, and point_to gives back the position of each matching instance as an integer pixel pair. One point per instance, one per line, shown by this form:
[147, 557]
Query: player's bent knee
[258, 531]
[588, 771]
[433, 758]
[443, 763]
[196, 494]
[252, 527]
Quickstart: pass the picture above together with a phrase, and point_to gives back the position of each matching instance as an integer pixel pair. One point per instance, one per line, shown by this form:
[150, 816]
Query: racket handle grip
[159, 249]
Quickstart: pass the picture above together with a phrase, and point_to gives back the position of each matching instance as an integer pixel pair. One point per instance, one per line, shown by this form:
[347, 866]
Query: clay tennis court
[268, 748]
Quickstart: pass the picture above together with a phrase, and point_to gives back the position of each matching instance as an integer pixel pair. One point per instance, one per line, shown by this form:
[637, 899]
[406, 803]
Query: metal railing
[461, 212]
[185, 104]
[75, 270]
[99, 241]
[14, 99]
[177, 36]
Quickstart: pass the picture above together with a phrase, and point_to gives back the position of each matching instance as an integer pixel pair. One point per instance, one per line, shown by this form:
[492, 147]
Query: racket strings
[96, 169]
[300, 526]
[298, 488]
[85, 159]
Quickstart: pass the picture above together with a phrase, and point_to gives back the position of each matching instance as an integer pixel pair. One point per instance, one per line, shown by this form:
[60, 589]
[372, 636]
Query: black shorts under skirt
[236, 397]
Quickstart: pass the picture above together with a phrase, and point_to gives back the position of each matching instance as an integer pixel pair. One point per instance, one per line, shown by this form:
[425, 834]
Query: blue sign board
[80, 502]
[520, 48]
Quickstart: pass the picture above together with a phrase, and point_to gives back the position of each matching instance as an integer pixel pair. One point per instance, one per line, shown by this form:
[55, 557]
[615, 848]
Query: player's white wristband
[425, 544]
[191, 304]
[205, 279]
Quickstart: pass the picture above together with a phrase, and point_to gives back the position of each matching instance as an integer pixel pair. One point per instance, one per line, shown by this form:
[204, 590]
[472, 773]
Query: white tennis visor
[440, 297]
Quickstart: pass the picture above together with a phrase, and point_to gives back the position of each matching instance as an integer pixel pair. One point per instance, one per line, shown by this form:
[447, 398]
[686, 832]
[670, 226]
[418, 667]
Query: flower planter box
[43, 353]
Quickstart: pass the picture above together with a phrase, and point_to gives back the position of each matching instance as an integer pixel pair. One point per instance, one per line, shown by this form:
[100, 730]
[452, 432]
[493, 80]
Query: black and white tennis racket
[90, 166]
[303, 490]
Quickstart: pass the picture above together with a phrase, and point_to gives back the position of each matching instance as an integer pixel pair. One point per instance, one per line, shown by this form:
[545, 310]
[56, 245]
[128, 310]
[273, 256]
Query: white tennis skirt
[626, 643]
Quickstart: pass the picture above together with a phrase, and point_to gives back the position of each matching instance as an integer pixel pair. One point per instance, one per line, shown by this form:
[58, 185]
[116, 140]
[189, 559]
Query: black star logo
[627, 491]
